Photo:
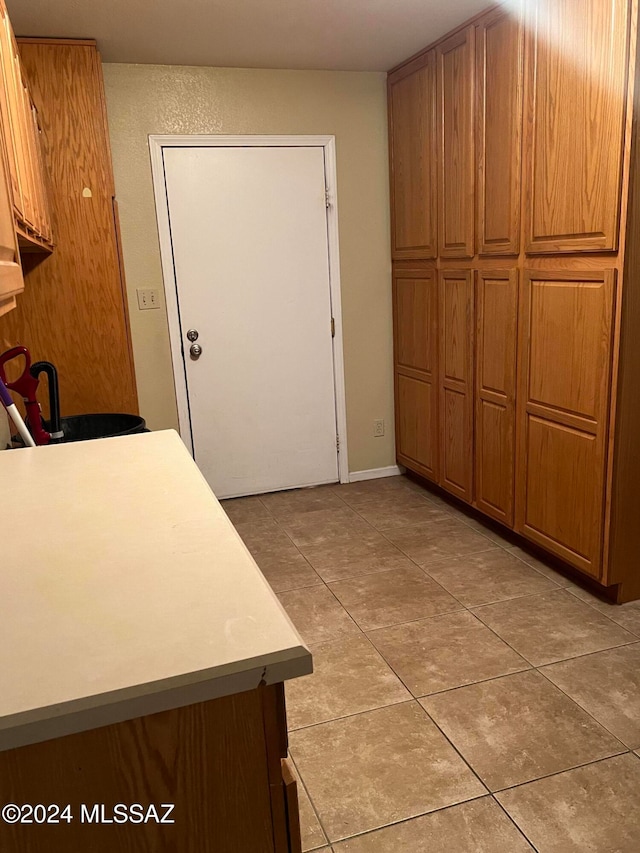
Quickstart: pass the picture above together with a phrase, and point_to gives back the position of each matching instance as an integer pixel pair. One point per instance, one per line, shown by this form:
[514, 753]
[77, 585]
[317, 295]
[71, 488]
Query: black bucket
[85, 427]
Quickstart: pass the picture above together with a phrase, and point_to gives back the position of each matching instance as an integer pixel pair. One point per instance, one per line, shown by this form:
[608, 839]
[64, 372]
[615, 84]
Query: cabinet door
[499, 45]
[11, 280]
[19, 127]
[456, 154]
[497, 305]
[413, 134]
[6, 78]
[576, 80]
[31, 154]
[565, 345]
[456, 382]
[415, 312]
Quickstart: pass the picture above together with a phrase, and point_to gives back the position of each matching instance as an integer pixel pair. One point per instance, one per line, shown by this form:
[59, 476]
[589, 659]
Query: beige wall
[146, 99]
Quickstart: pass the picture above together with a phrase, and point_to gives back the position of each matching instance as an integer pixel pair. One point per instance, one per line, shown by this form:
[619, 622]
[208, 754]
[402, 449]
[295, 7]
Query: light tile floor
[467, 697]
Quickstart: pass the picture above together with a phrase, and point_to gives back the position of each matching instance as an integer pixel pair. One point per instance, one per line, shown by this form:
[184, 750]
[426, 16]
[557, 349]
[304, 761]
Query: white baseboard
[375, 473]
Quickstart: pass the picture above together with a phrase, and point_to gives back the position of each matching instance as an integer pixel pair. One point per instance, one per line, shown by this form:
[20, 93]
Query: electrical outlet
[378, 427]
[148, 298]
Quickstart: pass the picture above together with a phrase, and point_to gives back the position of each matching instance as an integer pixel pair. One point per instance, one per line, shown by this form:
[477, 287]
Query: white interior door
[250, 254]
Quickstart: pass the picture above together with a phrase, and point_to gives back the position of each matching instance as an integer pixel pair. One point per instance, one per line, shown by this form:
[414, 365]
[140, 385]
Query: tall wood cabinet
[74, 310]
[534, 165]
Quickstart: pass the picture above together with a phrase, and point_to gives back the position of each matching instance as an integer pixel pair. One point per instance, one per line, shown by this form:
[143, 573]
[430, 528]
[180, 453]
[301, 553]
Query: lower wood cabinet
[497, 312]
[220, 763]
[565, 379]
[415, 311]
[503, 396]
[456, 341]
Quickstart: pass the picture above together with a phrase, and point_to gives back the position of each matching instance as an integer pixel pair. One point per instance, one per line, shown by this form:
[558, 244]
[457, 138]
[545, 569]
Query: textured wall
[149, 99]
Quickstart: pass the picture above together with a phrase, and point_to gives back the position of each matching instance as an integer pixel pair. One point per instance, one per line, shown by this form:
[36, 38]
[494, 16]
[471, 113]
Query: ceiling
[350, 35]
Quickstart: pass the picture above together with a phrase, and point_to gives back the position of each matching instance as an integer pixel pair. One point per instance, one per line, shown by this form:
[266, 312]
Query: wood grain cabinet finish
[412, 123]
[496, 346]
[499, 48]
[577, 93]
[22, 138]
[565, 347]
[547, 440]
[11, 278]
[73, 311]
[6, 107]
[456, 299]
[218, 762]
[415, 309]
[455, 78]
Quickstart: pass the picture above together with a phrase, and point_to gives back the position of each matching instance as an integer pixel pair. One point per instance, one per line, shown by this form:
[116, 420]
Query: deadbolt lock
[192, 335]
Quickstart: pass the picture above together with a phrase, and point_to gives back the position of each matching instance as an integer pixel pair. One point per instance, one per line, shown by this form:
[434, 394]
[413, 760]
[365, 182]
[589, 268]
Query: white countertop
[125, 590]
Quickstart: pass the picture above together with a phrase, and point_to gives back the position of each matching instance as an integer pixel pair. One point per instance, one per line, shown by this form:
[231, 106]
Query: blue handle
[5, 396]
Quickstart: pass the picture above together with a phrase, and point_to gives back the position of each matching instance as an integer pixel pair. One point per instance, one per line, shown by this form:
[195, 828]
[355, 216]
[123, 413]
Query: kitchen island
[142, 660]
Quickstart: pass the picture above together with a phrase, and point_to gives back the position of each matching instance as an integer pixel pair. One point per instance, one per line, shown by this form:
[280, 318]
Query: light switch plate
[148, 298]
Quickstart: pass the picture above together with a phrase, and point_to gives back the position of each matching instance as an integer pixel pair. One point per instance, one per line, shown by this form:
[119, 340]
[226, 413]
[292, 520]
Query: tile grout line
[582, 708]
[547, 663]
[364, 833]
[462, 606]
[486, 793]
[514, 822]
[324, 584]
[602, 613]
[313, 806]
[532, 667]
[561, 772]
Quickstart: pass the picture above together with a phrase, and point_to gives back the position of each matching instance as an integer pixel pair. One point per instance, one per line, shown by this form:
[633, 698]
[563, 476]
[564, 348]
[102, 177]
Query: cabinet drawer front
[413, 135]
[566, 328]
[577, 75]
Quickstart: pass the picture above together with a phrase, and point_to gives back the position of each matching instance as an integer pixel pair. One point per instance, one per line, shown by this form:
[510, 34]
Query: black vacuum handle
[54, 396]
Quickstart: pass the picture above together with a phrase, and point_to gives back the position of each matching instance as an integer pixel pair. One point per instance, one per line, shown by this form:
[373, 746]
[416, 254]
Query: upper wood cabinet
[456, 298]
[500, 72]
[496, 345]
[456, 180]
[412, 123]
[565, 350]
[11, 279]
[21, 130]
[576, 94]
[415, 314]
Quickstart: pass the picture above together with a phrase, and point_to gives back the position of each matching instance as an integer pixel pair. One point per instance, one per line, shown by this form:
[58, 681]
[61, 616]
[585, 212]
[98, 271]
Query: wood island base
[221, 764]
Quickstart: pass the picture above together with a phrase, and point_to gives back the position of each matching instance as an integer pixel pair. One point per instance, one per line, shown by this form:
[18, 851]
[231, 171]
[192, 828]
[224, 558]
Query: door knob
[192, 335]
[195, 350]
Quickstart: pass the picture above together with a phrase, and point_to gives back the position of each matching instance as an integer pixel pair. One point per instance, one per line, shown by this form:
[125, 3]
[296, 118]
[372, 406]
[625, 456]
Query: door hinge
[333, 328]
[338, 443]
[327, 199]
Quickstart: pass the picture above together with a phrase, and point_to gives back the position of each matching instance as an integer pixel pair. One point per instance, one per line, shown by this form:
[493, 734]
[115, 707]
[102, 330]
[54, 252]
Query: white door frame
[157, 143]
